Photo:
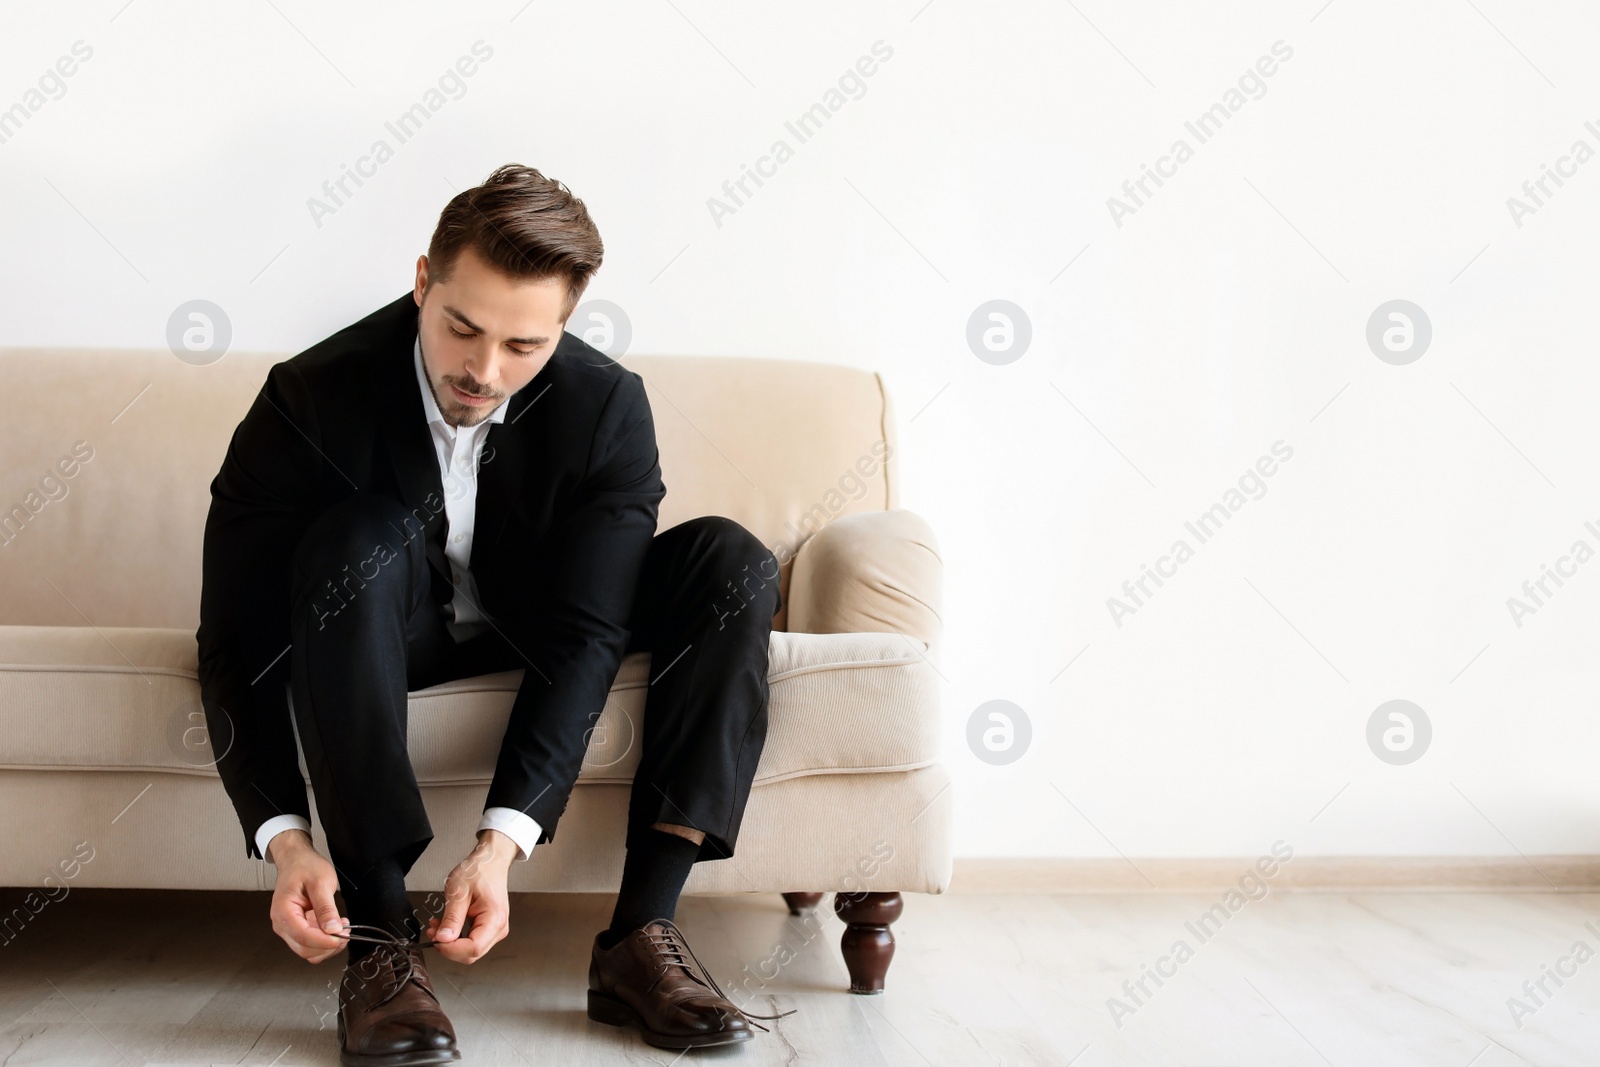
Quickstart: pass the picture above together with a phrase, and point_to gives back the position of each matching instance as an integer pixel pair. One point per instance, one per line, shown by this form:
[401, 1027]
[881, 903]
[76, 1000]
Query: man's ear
[419, 287]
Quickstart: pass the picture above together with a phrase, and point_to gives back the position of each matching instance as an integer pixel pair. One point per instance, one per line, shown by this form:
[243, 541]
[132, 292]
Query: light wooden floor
[125, 977]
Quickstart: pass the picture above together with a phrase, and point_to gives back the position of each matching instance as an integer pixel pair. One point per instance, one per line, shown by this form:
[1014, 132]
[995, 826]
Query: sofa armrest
[869, 571]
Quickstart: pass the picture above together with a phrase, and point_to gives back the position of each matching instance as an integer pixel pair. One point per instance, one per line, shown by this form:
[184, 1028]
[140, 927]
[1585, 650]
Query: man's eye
[458, 333]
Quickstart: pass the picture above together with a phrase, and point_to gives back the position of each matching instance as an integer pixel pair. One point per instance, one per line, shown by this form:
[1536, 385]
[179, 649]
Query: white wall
[1227, 313]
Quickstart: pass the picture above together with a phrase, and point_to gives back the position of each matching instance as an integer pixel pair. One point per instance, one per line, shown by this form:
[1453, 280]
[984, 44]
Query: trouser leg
[365, 631]
[704, 609]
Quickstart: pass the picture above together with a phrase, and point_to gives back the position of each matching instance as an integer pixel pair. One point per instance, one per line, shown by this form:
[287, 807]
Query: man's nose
[481, 372]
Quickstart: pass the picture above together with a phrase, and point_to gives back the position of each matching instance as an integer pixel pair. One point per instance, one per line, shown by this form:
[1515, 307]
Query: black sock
[652, 877]
[378, 898]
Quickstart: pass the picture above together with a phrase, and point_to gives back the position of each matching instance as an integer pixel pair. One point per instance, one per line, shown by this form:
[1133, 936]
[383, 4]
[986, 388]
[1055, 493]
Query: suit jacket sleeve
[575, 630]
[261, 501]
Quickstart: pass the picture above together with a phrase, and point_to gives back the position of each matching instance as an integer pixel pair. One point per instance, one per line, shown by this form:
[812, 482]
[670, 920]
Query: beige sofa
[109, 458]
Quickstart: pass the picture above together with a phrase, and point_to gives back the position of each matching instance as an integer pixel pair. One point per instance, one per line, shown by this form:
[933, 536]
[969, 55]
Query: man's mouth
[471, 398]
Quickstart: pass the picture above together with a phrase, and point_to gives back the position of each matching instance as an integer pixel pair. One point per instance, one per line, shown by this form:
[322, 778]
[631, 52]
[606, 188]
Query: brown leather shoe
[649, 978]
[389, 1015]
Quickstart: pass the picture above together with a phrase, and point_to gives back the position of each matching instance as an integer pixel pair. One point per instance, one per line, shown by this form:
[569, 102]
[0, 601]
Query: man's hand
[302, 901]
[476, 890]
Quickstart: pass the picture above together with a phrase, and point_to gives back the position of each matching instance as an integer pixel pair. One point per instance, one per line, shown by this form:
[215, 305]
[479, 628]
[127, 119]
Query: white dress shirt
[457, 450]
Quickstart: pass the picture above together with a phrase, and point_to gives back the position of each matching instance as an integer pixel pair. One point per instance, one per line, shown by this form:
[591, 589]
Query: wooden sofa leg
[801, 902]
[868, 943]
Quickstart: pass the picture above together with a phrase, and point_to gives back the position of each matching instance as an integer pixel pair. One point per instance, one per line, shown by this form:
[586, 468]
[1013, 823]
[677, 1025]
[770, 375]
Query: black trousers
[705, 720]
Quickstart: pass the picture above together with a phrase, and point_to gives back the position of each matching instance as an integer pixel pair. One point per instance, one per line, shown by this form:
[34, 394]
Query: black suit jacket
[568, 491]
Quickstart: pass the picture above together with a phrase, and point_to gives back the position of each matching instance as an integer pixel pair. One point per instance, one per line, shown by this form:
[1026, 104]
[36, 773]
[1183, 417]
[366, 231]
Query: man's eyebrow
[469, 324]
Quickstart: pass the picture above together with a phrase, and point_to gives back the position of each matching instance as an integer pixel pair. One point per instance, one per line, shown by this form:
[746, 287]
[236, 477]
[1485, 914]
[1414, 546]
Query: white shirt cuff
[515, 825]
[275, 826]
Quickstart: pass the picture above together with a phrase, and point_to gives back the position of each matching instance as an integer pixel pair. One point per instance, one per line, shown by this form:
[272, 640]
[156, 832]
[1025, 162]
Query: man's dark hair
[523, 224]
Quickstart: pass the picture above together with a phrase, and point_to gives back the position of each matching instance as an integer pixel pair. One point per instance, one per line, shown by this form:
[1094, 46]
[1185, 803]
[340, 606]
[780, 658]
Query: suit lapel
[501, 468]
[409, 443]
[503, 471]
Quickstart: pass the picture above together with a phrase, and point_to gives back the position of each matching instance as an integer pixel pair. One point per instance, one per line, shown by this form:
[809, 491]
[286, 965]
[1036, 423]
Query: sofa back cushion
[109, 456]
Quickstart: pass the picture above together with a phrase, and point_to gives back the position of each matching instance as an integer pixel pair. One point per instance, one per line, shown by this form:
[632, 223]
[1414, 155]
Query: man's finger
[489, 928]
[303, 927]
[293, 925]
[327, 915]
[322, 956]
[470, 948]
[455, 913]
[344, 926]
[492, 935]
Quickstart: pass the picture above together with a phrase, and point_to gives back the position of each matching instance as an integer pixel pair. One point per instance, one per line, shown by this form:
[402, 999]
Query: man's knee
[745, 571]
[355, 541]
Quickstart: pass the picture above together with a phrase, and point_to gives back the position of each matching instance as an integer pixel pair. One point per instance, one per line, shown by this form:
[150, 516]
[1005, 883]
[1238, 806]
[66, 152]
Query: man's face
[484, 335]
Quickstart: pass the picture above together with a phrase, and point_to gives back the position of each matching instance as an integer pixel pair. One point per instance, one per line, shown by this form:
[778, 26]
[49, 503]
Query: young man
[449, 487]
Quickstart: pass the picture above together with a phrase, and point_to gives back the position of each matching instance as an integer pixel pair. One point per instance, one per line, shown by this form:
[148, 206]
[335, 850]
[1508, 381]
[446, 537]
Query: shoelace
[398, 946]
[671, 944]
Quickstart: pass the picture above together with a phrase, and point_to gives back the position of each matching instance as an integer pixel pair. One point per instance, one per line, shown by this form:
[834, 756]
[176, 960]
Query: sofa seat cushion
[120, 698]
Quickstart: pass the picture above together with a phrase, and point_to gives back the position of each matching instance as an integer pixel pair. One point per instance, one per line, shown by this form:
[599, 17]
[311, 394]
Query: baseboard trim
[1314, 874]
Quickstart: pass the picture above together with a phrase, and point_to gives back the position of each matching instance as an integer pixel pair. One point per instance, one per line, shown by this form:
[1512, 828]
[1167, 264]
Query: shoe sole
[613, 1012]
[422, 1058]
[402, 1059]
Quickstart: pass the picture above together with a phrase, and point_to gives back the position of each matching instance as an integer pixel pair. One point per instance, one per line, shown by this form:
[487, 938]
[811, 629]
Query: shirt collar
[430, 406]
